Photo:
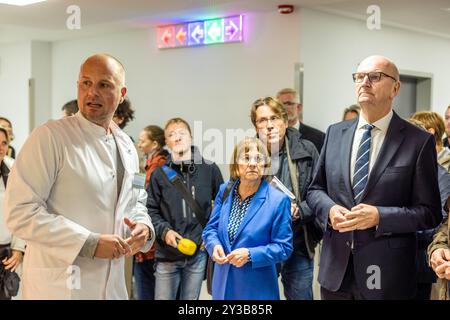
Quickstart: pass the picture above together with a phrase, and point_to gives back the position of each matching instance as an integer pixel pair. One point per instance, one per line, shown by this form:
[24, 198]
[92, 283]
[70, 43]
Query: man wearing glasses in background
[288, 97]
[293, 160]
[374, 187]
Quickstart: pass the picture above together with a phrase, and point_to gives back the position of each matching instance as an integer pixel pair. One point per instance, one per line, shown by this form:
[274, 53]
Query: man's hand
[238, 257]
[111, 246]
[139, 235]
[294, 211]
[361, 217]
[219, 255]
[14, 261]
[443, 270]
[171, 238]
[438, 257]
[337, 215]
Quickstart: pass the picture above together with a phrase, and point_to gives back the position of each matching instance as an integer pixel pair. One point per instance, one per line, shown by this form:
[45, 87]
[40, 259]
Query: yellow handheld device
[187, 246]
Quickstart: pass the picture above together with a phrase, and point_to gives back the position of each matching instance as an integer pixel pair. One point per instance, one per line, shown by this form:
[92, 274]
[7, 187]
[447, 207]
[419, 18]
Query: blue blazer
[265, 230]
[403, 185]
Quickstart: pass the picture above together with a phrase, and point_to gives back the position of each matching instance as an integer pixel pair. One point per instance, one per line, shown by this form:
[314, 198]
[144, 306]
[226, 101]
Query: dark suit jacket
[315, 136]
[403, 186]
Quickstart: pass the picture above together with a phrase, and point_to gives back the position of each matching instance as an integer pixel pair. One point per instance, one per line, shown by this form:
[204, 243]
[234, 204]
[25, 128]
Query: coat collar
[255, 206]
[348, 133]
[295, 146]
[392, 141]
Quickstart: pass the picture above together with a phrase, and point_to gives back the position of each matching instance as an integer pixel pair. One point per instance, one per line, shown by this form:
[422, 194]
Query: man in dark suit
[288, 97]
[375, 185]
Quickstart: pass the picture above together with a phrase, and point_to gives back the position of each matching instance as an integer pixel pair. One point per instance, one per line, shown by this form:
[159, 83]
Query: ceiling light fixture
[20, 2]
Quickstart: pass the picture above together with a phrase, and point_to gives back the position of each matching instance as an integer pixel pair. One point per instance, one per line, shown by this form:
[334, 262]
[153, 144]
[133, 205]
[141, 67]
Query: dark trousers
[423, 291]
[5, 252]
[348, 290]
[144, 279]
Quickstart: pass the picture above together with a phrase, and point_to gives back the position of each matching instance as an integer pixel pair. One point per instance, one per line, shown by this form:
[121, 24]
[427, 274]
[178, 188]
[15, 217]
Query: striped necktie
[361, 173]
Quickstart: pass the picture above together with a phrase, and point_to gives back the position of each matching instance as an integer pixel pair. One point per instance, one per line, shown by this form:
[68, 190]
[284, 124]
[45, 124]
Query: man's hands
[360, 217]
[294, 211]
[139, 235]
[14, 261]
[440, 262]
[172, 237]
[111, 246]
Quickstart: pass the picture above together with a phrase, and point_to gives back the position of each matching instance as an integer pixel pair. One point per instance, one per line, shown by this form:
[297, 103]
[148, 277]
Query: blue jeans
[185, 275]
[144, 279]
[297, 277]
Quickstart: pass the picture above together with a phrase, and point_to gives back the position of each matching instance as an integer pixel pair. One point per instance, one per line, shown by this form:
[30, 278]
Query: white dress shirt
[378, 134]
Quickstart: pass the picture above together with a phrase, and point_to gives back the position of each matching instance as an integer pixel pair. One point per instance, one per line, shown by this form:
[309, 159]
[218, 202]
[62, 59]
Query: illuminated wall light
[220, 30]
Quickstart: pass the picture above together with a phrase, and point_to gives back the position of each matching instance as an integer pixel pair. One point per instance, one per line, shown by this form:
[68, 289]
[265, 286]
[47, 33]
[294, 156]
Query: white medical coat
[62, 187]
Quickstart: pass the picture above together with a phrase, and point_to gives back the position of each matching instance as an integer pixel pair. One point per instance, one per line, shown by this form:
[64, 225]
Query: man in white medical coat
[75, 197]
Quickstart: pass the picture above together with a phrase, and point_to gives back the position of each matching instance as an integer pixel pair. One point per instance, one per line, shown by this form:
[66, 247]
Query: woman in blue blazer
[250, 231]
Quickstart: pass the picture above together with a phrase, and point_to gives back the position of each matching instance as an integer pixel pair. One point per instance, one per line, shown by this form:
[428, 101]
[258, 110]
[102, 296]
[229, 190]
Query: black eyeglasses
[359, 77]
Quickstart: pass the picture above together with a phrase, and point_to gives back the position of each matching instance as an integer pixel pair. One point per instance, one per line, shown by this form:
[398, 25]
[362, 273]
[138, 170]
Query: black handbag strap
[184, 192]
[227, 190]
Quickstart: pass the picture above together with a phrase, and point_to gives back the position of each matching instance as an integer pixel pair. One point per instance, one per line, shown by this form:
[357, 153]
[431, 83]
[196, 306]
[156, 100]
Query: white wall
[15, 71]
[216, 84]
[41, 61]
[332, 46]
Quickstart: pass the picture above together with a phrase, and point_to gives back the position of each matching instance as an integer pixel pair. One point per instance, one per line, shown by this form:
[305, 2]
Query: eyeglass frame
[366, 74]
[274, 119]
[259, 161]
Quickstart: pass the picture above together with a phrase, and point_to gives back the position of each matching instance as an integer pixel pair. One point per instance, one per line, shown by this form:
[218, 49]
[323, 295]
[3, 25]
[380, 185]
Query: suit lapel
[348, 134]
[392, 141]
[255, 205]
[225, 217]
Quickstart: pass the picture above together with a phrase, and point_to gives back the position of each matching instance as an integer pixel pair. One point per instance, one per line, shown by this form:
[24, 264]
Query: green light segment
[214, 31]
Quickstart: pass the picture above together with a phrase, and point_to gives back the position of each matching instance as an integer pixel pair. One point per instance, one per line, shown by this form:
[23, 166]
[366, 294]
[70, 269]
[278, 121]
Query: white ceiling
[47, 20]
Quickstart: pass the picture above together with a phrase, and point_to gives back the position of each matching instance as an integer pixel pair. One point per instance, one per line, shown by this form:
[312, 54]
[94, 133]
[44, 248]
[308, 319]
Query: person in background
[69, 108]
[151, 143]
[5, 123]
[178, 274]
[435, 125]
[446, 139]
[289, 99]
[351, 112]
[11, 247]
[293, 160]
[249, 231]
[439, 257]
[124, 113]
[425, 274]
